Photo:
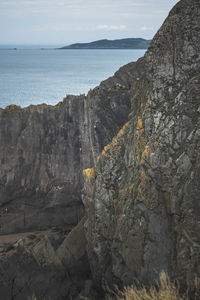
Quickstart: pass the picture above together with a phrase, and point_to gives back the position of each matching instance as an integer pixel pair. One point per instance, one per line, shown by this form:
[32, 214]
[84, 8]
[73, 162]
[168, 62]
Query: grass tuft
[165, 290]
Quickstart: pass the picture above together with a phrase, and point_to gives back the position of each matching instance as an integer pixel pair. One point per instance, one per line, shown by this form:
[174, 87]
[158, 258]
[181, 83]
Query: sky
[62, 22]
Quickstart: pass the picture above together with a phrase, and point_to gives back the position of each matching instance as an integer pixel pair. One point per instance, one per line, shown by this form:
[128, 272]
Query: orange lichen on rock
[12, 108]
[139, 124]
[115, 140]
[89, 95]
[121, 218]
[143, 176]
[106, 148]
[121, 132]
[139, 127]
[90, 92]
[145, 154]
[122, 194]
[59, 103]
[89, 173]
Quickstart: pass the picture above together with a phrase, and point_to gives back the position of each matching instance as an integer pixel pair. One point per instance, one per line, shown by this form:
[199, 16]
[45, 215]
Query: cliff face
[142, 198]
[43, 151]
[40, 155]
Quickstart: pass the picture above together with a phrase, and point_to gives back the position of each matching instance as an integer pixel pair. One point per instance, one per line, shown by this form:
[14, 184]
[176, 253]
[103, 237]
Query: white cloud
[111, 27]
[74, 20]
[69, 28]
[145, 28]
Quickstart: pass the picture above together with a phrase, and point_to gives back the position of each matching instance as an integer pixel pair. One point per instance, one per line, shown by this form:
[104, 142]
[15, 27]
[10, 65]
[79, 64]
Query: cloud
[111, 27]
[69, 28]
[60, 28]
[145, 28]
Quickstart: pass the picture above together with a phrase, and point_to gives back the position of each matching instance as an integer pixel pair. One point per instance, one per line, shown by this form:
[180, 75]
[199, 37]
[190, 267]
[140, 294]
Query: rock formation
[136, 137]
[142, 199]
[43, 151]
[46, 264]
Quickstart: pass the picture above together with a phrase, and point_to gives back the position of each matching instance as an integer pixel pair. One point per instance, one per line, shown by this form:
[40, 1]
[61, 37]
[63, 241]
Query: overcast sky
[67, 21]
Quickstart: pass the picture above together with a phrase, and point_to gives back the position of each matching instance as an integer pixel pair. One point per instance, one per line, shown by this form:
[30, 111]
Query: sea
[47, 75]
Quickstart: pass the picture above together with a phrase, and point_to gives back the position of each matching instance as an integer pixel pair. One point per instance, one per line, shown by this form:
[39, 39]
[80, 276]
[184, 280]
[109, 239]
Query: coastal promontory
[129, 43]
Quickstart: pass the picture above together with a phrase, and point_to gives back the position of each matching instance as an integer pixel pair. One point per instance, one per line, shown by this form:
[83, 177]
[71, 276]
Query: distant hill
[130, 43]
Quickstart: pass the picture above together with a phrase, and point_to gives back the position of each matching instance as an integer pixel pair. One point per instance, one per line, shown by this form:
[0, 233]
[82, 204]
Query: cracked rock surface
[143, 203]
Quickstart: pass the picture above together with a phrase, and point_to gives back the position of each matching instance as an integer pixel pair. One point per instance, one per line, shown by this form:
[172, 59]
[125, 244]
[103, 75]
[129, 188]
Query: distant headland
[129, 43]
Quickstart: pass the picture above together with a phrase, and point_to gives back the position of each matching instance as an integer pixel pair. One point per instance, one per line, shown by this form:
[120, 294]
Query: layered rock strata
[43, 151]
[142, 197]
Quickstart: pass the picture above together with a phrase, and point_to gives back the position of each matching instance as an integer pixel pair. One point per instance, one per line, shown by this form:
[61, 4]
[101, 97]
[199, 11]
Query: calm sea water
[33, 76]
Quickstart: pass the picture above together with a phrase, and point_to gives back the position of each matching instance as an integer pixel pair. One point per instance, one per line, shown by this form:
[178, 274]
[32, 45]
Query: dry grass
[165, 291]
[33, 297]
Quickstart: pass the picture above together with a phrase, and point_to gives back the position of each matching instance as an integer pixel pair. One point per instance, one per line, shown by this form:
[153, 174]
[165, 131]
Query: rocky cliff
[40, 153]
[136, 137]
[43, 151]
[142, 197]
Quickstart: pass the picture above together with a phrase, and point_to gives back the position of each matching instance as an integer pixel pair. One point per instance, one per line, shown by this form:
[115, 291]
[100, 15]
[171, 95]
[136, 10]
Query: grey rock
[73, 248]
[44, 254]
[7, 247]
[40, 159]
[143, 202]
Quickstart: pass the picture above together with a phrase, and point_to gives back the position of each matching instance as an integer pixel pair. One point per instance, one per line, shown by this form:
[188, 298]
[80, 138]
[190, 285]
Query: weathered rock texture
[48, 265]
[40, 156]
[142, 197]
[43, 150]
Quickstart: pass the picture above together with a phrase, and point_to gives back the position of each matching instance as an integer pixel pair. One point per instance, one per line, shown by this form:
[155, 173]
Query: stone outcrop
[43, 151]
[49, 265]
[142, 197]
[73, 247]
[40, 156]
[45, 254]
